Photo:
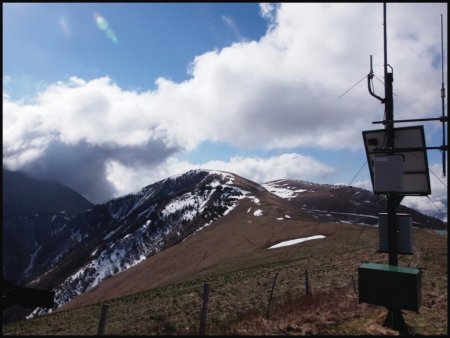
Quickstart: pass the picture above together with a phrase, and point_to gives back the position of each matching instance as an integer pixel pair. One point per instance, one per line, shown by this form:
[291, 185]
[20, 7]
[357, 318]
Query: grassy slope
[240, 287]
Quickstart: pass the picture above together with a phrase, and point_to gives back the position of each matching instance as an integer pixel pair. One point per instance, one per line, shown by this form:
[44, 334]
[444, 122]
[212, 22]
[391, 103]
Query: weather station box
[404, 233]
[388, 173]
[394, 287]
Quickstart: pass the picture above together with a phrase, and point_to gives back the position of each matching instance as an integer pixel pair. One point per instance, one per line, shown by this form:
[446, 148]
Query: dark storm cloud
[82, 167]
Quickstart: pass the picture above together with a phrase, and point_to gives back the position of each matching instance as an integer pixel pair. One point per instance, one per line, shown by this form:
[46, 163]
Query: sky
[107, 98]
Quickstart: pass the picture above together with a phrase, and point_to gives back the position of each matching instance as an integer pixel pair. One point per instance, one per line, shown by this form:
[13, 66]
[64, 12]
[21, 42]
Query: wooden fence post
[307, 288]
[204, 309]
[271, 294]
[101, 324]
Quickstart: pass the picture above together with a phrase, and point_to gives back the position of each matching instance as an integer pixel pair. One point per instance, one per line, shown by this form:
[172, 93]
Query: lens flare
[102, 24]
[111, 35]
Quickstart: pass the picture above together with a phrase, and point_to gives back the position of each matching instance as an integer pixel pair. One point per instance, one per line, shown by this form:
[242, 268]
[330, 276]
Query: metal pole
[389, 111]
[394, 318]
[444, 171]
[414, 120]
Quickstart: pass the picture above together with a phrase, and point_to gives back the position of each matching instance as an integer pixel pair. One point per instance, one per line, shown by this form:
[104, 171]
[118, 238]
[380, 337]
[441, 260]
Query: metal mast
[390, 153]
[443, 118]
[389, 146]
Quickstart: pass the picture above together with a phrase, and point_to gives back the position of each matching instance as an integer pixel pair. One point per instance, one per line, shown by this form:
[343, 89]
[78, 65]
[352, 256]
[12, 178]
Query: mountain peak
[126, 231]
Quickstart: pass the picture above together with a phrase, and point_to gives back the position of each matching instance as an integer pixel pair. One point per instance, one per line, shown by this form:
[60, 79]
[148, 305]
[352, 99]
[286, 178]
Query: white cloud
[126, 179]
[285, 166]
[279, 92]
[435, 204]
[268, 11]
[367, 185]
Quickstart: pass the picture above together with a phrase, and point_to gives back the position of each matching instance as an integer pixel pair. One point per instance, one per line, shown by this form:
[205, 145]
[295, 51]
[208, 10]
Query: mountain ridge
[308, 217]
[96, 248]
[142, 224]
[360, 205]
[29, 205]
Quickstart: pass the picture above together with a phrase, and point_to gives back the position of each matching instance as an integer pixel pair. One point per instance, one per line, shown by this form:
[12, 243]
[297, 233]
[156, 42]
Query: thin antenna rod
[370, 85]
[352, 87]
[385, 40]
[388, 79]
[443, 100]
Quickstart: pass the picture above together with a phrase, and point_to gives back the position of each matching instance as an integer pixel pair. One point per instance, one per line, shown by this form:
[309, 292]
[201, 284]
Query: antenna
[370, 84]
[443, 119]
[393, 200]
[389, 101]
[388, 119]
[387, 166]
[398, 166]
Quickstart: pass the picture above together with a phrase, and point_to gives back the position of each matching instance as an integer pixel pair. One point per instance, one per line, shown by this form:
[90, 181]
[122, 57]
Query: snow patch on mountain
[258, 212]
[295, 241]
[127, 247]
[283, 191]
[188, 205]
[32, 259]
[253, 199]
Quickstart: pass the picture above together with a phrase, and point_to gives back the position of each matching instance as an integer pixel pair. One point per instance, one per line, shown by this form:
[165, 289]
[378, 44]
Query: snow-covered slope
[111, 237]
[118, 234]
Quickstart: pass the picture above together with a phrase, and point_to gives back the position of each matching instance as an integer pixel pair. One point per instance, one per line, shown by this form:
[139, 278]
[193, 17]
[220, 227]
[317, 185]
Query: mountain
[185, 224]
[25, 196]
[29, 207]
[118, 234]
[246, 217]
[343, 204]
[153, 236]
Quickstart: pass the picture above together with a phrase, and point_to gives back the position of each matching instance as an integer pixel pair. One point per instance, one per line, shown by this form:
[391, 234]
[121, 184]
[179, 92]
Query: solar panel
[409, 143]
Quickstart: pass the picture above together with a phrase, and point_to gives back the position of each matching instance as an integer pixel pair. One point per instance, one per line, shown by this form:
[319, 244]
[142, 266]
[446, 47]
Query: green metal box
[394, 287]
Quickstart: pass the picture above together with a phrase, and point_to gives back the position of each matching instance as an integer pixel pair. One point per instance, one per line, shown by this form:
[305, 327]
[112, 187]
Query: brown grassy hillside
[240, 234]
[232, 258]
[163, 294]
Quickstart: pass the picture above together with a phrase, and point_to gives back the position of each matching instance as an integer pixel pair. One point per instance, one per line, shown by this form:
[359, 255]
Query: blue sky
[50, 42]
[46, 43]
[107, 98]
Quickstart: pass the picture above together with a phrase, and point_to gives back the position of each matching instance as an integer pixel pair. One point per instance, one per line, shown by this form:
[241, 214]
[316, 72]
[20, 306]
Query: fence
[203, 325]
